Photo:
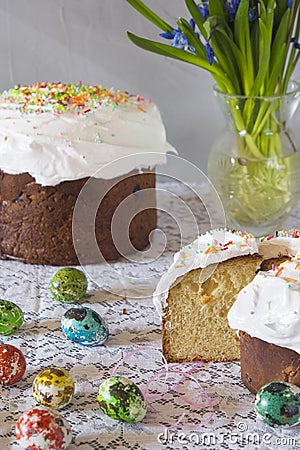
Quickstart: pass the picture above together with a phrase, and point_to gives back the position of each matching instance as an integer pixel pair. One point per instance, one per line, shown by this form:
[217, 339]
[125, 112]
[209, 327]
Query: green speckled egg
[278, 404]
[68, 285]
[121, 399]
[11, 317]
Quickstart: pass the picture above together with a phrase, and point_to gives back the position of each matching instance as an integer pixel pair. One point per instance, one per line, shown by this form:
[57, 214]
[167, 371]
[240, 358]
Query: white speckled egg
[42, 428]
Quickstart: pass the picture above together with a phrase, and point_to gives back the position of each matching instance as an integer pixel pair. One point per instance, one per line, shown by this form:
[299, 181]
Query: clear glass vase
[254, 164]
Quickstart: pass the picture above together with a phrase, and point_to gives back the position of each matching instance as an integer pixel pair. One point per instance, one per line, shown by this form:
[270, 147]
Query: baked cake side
[267, 315]
[36, 221]
[54, 137]
[195, 323]
[195, 294]
[262, 362]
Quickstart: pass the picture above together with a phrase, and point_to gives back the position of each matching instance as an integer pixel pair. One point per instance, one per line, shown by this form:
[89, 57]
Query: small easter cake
[279, 247]
[55, 137]
[267, 315]
[195, 294]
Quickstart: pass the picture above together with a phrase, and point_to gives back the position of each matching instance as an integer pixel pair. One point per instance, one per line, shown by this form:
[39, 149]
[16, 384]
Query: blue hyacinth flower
[209, 53]
[169, 35]
[179, 40]
[294, 41]
[203, 8]
[232, 7]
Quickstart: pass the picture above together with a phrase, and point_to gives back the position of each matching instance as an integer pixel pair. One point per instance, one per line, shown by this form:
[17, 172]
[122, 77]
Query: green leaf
[198, 18]
[150, 15]
[279, 41]
[232, 52]
[229, 57]
[212, 23]
[241, 25]
[292, 57]
[276, 70]
[264, 58]
[279, 11]
[172, 52]
[254, 44]
[263, 11]
[243, 40]
[216, 8]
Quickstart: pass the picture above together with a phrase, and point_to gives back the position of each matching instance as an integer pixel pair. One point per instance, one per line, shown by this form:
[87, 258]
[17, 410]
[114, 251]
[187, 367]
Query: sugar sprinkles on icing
[212, 247]
[268, 308]
[60, 98]
[282, 233]
[281, 243]
[289, 271]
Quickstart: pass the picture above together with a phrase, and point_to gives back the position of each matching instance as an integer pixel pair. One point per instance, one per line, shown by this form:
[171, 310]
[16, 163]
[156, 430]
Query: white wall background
[72, 40]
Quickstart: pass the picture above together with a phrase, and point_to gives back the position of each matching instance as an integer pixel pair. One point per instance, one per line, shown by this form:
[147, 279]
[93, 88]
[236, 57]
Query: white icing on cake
[59, 132]
[210, 248]
[282, 243]
[269, 307]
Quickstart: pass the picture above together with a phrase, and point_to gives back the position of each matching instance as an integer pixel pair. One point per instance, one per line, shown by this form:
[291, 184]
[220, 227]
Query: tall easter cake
[55, 137]
[267, 315]
[194, 296]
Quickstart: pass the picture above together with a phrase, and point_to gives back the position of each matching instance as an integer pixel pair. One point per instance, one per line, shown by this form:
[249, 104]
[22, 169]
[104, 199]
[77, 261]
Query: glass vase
[254, 164]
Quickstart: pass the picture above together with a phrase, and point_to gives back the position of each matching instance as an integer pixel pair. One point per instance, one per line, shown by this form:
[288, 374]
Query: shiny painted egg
[121, 399]
[278, 404]
[53, 387]
[42, 428]
[11, 317]
[12, 364]
[68, 285]
[84, 326]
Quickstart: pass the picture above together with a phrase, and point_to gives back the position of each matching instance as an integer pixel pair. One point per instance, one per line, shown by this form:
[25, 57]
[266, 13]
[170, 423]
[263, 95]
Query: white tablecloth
[196, 405]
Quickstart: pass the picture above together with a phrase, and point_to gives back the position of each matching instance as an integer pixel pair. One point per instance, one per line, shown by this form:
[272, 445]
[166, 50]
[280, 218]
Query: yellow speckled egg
[53, 387]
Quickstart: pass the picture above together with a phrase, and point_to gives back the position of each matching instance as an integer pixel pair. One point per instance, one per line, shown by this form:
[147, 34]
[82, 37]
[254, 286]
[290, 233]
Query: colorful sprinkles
[61, 98]
[214, 247]
[280, 271]
[282, 233]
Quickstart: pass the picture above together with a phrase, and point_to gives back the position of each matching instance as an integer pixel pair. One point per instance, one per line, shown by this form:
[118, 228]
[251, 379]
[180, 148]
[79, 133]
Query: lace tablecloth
[195, 405]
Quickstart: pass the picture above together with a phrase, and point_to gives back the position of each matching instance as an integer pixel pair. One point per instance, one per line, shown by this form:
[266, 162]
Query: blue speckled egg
[84, 326]
[278, 404]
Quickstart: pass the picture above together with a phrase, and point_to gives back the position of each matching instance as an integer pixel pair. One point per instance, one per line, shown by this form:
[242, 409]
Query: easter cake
[195, 294]
[55, 137]
[267, 315]
[279, 247]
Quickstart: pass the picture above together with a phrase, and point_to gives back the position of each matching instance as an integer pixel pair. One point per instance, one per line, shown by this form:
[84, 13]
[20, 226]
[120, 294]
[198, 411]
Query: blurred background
[73, 40]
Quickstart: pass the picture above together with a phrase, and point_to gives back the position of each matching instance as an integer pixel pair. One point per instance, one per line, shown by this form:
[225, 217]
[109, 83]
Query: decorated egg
[68, 285]
[11, 317]
[121, 399]
[278, 404]
[53, 387]
[42, 428]
[84, 326]
[12, 364]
